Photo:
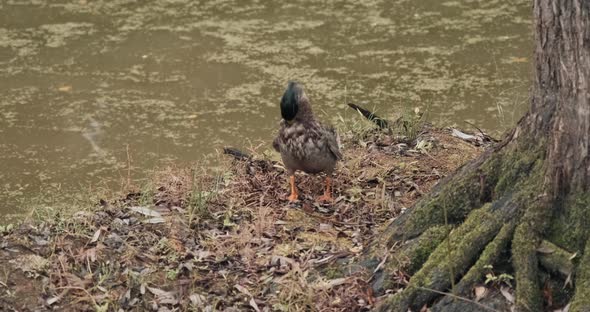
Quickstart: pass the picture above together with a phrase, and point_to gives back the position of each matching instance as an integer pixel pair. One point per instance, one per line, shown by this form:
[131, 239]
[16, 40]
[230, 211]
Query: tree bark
[531, 188]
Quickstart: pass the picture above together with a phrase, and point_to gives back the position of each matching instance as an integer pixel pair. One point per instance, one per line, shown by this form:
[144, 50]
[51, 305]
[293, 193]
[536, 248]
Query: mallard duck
[303, 142]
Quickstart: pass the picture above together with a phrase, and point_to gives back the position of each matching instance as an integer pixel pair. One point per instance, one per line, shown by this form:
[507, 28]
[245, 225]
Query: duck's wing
[333, 141]
[276, 143]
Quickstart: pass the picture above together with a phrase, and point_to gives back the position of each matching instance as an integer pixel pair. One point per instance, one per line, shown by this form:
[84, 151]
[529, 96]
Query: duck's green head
[290, 100]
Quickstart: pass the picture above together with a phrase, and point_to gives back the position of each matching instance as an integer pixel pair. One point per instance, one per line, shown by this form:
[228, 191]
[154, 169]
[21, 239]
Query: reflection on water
[82, 80]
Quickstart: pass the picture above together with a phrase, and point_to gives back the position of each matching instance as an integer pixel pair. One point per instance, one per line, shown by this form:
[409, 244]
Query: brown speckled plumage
[303, 142]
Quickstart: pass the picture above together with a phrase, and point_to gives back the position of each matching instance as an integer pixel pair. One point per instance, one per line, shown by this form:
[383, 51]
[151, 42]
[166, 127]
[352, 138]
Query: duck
[304, 143]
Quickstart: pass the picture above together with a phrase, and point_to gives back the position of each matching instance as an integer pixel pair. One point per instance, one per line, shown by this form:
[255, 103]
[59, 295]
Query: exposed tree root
[408, 258]
[528, 290]
[581, 300]
[514, 220]
[555, 259]
[460, 195]
[493, 174]
[467, 241]
[416, 254]
[488, 257]
[538, 178]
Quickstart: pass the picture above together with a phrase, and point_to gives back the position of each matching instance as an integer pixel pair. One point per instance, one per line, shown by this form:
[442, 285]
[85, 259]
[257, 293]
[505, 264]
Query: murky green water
[82, 80]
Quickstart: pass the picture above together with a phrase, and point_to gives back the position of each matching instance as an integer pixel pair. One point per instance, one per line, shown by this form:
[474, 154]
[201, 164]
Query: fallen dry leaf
[568, 282]
[325, 285]
[243, 290]
[90, 254]
[198, 300]
[545, 250]
[425, 309]
[96, 235]
[573, 256]
[154, 220]
[163, 297]
[145, 211]
[564, 309]
[480, 292]
[254, 305]
[506, 293]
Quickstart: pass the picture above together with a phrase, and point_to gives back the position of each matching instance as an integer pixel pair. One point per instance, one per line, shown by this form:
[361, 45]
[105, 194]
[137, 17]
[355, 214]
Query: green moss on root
[477, 272]
[555, 259]
[458, 196]
[517, 166]
[509, 177]
[491, 176]
[487, 257]
[581, 300]
[571, 228]
[410, 257]
[467, 241]
[525, 262]
[417, 253]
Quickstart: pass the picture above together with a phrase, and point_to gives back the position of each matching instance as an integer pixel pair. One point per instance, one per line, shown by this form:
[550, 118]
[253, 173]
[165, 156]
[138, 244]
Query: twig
[482, 133]
[331, 258]
[82, 289]
[459, 298]
[330, 219]
[382, 263]
[415, 186]
[20, 246]
[474, 126]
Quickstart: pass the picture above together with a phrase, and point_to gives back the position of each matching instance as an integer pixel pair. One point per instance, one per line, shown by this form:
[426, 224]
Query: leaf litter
[228, 241]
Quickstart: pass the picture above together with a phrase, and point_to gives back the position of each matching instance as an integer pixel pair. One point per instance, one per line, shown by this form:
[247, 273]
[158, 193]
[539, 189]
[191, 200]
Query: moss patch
[571, 226]
[443, 265]
[581, 300]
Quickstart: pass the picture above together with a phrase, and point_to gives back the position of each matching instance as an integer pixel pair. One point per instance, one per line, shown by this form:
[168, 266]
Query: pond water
[88, 86]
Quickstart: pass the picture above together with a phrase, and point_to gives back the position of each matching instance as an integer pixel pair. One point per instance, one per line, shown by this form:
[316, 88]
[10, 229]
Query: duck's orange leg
[294, 196]
[327, 197]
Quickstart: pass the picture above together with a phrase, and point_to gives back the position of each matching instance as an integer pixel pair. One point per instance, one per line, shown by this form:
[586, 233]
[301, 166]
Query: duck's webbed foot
[327, 197]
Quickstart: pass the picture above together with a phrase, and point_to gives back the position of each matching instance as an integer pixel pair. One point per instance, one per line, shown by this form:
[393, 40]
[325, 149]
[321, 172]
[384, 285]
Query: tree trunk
[527, 199]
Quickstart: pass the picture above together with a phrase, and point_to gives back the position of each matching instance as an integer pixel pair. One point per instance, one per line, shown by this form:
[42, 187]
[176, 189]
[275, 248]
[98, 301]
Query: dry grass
[197, 241]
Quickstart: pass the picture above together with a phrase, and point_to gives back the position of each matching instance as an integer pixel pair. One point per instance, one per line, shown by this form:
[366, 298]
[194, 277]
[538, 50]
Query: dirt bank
[228, 241]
